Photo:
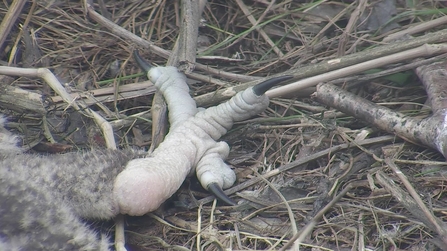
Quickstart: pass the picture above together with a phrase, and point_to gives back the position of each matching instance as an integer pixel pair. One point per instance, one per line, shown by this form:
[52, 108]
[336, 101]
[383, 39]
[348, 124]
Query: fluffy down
[44, 198]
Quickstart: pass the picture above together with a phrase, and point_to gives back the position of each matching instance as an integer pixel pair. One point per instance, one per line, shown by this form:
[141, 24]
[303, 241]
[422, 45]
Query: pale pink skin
[189, 146]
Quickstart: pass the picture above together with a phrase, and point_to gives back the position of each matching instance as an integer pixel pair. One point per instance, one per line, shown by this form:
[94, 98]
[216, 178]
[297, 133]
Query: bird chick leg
[191, 142]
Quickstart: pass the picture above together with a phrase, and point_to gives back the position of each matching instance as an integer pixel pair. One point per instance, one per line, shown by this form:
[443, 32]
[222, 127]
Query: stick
[331, 65]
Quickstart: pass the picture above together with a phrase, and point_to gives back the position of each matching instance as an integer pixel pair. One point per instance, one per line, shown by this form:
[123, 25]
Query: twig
[160, 241]
[299, 237]
[421, 51]
[184, 52]
[23, 30]
[433, 78]
[185, 48]
[423, 26]
[361, 234]
[120, 239]
[255, 23]
[119, 31]
[299, 162]
[286, 204]
[132, 119]
[412, 206]
[20, 100]
[429, 131]
[159, 112]
[54, 83]
[42, 73]
[440, 227]
[9, 19]
[330, 65]
[199, 227]
[106, 94]
[355, 15]
[401, 68]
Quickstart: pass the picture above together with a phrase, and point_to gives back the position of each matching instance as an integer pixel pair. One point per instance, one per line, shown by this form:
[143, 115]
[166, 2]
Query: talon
[217, 191]
[143, 64]
[263, 87]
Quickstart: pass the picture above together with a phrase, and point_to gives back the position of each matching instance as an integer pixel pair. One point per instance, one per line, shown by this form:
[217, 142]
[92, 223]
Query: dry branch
[159, 51]
[412, 202]
[299, 162]
[429, 131]
[54, 83]
[184, 53]
[255, 23]
[19, 100]
[421, 51]
[277, 137]
[9, 20]
[331, 65]
[417, 29]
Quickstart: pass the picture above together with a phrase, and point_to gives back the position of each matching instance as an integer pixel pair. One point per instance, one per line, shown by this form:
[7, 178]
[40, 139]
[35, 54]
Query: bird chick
[45, 197]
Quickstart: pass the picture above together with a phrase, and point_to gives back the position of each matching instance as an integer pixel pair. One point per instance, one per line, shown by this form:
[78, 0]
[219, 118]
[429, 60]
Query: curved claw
[143, 64]
[262, 87]
[217, 191]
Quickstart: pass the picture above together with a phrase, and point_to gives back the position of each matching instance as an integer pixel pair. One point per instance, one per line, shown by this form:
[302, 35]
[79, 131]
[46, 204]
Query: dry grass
[84, 55]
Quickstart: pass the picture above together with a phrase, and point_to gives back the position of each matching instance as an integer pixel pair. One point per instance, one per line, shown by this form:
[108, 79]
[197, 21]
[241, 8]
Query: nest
[308, 173]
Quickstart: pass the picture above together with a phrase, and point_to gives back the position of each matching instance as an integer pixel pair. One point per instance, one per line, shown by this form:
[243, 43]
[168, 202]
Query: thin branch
[128, 36]
[299, 162]
[411, 205]
[54, 83]
[429, 131]
[255, 23]
[330, 65]
[355, 15]
[421, 51]
[10, 19]
[423, 26]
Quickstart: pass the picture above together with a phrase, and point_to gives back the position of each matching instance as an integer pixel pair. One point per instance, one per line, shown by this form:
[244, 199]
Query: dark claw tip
[263, 87]
[143, 64]
[217, 191]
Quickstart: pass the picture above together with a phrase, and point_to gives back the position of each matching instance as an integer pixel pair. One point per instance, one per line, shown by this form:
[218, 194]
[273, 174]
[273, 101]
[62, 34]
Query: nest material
[94, 62]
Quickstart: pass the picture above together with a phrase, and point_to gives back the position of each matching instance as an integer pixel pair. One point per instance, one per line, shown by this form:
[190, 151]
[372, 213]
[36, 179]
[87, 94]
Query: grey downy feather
[44, 198]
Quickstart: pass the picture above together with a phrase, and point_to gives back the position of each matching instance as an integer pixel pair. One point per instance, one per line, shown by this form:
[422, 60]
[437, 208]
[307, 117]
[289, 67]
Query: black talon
[263, 87]
[215, 189]
[143, 64]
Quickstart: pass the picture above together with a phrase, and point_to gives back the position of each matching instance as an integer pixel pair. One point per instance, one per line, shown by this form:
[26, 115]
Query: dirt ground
[311, 170]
